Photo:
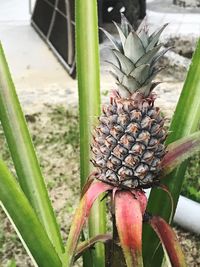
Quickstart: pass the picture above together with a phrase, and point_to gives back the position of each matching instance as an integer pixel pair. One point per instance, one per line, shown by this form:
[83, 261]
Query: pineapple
[128, 144]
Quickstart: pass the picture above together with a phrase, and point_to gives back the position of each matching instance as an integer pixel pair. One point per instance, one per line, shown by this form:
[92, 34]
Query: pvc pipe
[187, 214]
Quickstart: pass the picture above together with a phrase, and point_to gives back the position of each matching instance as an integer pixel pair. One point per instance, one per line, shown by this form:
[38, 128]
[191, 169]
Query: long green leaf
[26, 221]
[87, 58]
[185, 121]
[23, 154]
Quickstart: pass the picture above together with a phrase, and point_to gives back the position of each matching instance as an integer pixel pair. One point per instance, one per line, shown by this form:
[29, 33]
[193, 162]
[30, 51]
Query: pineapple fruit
[128, 144]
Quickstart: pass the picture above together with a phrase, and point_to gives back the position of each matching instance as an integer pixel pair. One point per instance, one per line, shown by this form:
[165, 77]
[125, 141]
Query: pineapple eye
[95, 150]
[108, 121]
[156, 162]
[125, 173]
[120, 152]
[162, 135]
[123, 119]
[110, 175]
[148, 156]
[113, 163]
[144, 137]
[137, 149]
[99, 140]
[115, 160]
[116, 131]
[131, 160]
[155, 129]
[160, 151]
[123, 150]
[100, 162]
[104, 129]
[155, 165]
[112, 119]
[133, 129]
[104, 120]
[110, 165]
[153, 142]
[109, 110]
[119, 107]
[146, 122]
[110, 139]
[113, 177]
[148, 178]
[136, 115]
[104, 150]
[108, 144]
[127, 141]
[141, 171]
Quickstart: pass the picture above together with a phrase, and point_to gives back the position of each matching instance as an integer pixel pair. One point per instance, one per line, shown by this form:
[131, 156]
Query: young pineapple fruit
[128, 142]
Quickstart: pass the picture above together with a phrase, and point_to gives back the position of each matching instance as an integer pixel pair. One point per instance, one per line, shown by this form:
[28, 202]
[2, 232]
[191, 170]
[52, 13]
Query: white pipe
[187, 214]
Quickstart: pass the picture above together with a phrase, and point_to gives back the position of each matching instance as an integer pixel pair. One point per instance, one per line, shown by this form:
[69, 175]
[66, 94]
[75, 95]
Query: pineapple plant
[128, 144]
[129, 154]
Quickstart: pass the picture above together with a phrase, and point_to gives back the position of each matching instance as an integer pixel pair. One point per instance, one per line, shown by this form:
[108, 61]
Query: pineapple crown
[135, 56]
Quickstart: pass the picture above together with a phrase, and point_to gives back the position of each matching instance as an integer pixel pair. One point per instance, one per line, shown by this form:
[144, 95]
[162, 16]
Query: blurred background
[38, 38]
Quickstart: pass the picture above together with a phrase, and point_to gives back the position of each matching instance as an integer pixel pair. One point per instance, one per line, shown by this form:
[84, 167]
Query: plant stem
[87, 58]
[117, 256]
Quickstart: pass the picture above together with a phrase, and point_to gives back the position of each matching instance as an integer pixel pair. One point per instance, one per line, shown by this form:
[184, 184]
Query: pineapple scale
[128, 142]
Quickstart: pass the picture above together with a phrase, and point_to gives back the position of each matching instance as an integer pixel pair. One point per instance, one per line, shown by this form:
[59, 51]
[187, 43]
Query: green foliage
[23, 217]
[23, 154]
[60, 170]
[191, 184]
[185, 121]
[87, 60]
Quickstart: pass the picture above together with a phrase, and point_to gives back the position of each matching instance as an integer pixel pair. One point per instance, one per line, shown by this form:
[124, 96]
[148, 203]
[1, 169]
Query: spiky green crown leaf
[136, 54]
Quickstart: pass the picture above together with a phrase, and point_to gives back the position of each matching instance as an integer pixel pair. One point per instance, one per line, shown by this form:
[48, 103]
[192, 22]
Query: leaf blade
[179, 151]
[81, 214]
[23, 154]
[131, 45]
[129, 226]
[154, 38]
[87, 244]
[185, 121]
[169, 241]
[87, 61]
[24, 218]
[126, 65]
[114, 42]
